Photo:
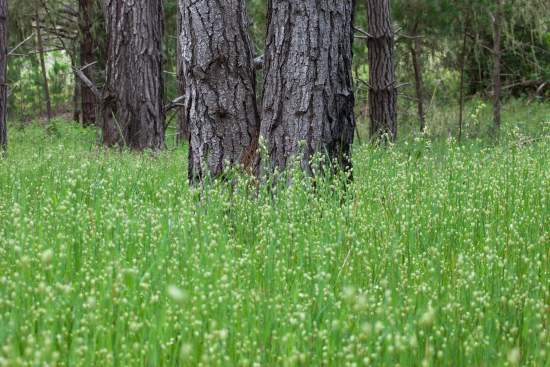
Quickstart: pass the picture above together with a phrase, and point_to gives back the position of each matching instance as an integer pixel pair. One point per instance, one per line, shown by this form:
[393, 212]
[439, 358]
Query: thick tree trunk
[41, 57]
[382, 82]
[220, 97]
[497, 53]
[86, 58]
[3, 68]
[183, 127]
[308, 93]
[416, 55]
[132, 106]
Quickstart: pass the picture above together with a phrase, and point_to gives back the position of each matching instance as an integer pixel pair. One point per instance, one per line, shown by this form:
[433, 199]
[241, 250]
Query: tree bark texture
[382, 82]
[86, 58]
[132, 106]
[220, 87]
[41, 57]
[3, 69]
[497, 54]
[308, 92]
[183, 127]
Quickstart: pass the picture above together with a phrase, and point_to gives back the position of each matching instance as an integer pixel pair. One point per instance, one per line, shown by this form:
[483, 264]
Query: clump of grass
[436, 254]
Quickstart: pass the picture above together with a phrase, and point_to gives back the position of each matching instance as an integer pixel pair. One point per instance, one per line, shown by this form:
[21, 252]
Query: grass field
[436, 255]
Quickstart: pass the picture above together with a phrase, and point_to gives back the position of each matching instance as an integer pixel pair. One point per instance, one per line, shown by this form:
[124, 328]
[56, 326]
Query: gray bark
[3, 68]
[86, 58]
[220, 88]
[132, 106]
[183, 127]
[308, 92]
[382, 82]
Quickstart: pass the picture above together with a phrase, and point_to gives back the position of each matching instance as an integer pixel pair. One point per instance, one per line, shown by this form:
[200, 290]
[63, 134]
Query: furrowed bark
[132, 108]
[3, 69]
[220, 87]
[183, 128]
[308, 92]
[86, 58]
[382, 82]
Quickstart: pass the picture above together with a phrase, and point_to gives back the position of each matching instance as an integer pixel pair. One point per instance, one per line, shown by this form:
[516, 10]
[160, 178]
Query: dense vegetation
[436, 254]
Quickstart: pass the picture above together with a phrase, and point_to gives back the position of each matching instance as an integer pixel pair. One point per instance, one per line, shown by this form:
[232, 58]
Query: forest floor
[437, 254]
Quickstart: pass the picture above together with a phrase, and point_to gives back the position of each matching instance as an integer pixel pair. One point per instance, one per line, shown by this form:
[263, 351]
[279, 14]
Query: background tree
[418, 21]
[220, 87]
[3, 67]
[183, 127]
[382, 81]
[132, 105]
[87, 58]
[497, 57]
[308, 97]
[41, 57]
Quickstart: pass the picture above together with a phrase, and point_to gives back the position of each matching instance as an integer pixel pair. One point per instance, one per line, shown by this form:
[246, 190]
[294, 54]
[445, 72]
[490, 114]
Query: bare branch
[174, 104]
[20, 44]
[95, 90]
[259, 62]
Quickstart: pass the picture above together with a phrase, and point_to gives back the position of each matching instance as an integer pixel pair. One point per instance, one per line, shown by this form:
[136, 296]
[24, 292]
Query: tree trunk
[86, 58]
[40, 50]
[497, 28]
[3, 81]
[416, 55]
[462, 81]
[308, 92]
[132, 106]
[220, 87]
[77, 97]
[382, 83]
[183, 128]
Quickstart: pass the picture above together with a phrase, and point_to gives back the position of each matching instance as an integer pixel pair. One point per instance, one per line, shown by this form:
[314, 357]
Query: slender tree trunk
[308, 92]
[77, 87]
[416, 55]
[383, 88]
[86, 58]
[497, 53]
[462, 81]
[3, 71]
[132, 107]
[220, 87]
[41, 57]
[77, 97]
[183, 127]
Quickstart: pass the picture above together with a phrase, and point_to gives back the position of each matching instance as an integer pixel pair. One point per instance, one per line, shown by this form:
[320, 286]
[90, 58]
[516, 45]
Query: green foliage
[26, 99]
[436, 254]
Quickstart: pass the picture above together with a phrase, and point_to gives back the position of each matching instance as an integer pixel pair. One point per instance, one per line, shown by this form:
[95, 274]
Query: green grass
[436, 255]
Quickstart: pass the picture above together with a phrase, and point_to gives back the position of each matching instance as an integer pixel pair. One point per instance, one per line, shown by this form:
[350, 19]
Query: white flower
[176, 293]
